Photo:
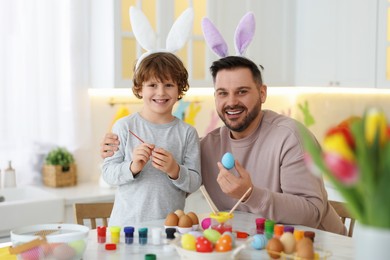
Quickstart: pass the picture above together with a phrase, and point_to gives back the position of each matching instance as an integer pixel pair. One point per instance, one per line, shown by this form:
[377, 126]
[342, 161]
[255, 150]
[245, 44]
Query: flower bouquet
[355, 157]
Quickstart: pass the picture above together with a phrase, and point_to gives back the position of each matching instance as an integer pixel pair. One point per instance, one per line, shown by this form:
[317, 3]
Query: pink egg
[206, 223]
[33, 254]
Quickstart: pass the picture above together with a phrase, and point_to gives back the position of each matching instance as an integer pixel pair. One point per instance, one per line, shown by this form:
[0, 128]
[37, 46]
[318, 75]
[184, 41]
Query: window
[161, 15]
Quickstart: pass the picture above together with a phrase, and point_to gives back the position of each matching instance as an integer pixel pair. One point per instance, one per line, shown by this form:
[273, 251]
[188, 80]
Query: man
[268, 150]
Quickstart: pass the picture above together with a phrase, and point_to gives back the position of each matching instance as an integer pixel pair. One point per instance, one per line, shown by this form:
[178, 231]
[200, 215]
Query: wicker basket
[54, 176]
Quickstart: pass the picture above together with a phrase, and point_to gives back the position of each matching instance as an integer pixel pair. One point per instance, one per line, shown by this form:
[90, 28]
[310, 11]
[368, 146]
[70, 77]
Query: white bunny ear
[214, 39]
[180, 31]
[143, 31]
[244, 33]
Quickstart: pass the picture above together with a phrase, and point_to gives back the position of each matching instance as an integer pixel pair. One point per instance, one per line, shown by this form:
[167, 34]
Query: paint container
[143, 236]
[129, 235]
[260, 225]
[101, 234]
[156, 236]
[115, 234]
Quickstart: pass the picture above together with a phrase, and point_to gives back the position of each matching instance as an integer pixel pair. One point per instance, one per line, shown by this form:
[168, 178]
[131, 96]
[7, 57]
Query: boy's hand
[141, 155]
[164, 161]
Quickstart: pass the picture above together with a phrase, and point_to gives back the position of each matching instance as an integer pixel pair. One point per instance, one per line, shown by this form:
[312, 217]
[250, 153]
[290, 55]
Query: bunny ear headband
[147, 38]
[242, 38]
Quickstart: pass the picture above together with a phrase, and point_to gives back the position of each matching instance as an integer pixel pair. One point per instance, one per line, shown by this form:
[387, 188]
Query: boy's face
[159, 97]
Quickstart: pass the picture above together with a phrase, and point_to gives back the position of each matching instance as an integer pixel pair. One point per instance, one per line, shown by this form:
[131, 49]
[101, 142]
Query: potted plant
[59, 169]
[355, 157]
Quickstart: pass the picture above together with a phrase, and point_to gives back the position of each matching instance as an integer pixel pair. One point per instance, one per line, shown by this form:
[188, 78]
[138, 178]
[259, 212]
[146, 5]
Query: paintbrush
[239, 201]
[142, 141]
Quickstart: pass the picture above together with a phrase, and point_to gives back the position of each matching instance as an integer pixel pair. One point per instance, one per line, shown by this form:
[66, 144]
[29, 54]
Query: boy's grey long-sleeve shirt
[151, 194]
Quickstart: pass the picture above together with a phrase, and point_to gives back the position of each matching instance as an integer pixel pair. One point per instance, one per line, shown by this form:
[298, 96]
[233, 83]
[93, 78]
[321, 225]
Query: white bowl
[66, 240]
[183, 230]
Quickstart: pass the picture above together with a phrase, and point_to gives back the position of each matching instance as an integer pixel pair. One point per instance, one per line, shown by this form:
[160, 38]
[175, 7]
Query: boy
[153, 176]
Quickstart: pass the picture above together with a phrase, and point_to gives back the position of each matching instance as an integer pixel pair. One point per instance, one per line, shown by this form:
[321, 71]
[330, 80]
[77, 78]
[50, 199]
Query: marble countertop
[83, 192]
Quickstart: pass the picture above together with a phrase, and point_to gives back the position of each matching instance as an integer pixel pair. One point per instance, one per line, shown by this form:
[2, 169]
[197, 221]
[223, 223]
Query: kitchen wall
[318, 108]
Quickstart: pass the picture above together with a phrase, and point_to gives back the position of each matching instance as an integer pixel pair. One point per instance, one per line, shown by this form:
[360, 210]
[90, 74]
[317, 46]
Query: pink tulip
[344, 170]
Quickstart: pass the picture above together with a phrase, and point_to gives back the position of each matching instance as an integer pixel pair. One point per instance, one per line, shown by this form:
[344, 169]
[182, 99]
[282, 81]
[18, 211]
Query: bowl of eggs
[49, 241]
[209, 244]
[181, 221]
[286, 247]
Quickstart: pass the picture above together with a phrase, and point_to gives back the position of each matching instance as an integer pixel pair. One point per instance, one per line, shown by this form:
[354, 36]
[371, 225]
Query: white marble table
[341, 247]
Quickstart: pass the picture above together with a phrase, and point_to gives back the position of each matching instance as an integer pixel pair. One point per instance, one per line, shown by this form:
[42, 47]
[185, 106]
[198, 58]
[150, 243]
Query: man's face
[238, 99]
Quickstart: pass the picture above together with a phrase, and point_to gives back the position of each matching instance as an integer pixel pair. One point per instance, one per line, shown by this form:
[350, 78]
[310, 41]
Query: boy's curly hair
[161, 66]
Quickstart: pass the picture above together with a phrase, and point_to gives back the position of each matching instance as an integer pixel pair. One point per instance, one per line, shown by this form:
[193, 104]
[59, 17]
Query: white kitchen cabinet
[274, 42]
[383, 52]
[336, 43]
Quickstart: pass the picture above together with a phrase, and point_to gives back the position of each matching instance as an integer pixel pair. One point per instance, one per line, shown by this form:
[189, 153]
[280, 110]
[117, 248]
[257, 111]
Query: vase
[371, 242]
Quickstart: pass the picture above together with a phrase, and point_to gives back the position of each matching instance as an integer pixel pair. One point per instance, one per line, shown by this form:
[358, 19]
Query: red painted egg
[203, 245]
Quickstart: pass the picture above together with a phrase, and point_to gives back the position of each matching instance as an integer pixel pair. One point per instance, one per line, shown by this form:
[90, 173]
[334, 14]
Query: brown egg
[304, 242]
[305, 249]
[274, 248]
[185, 221]
[193, 217]
[172, 220]
[179, 213]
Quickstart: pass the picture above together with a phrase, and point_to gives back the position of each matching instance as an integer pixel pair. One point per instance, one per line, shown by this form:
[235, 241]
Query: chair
[341, 209]
[92, 212]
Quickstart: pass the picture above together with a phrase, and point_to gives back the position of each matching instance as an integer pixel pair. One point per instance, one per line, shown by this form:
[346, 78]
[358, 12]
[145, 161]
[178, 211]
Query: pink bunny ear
[214, 39]
[244, 33]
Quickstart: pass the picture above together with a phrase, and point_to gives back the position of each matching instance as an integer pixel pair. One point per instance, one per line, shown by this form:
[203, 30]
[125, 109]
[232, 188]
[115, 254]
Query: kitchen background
[65, 69]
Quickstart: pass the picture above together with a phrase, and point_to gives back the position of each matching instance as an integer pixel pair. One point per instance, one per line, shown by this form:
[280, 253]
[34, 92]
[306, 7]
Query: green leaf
[59, 156]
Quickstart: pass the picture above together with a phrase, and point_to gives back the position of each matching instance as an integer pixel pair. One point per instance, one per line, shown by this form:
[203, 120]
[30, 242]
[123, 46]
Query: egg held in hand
[228, 161]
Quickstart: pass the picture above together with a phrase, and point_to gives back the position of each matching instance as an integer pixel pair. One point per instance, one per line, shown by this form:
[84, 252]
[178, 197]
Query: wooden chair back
[341, 209]
[92, 212]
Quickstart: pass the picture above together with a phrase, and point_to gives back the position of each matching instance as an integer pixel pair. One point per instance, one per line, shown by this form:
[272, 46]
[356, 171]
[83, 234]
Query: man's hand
[109, 145]
[232, 185]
